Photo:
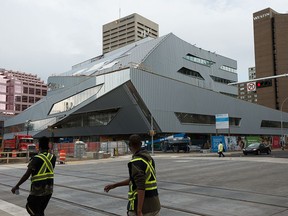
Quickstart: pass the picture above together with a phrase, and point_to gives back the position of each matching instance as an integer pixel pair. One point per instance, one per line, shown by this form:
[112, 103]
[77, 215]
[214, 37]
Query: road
[189, 184]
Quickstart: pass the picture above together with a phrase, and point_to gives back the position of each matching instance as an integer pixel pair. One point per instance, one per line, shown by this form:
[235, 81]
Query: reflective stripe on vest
[46, 170]
[150, 184]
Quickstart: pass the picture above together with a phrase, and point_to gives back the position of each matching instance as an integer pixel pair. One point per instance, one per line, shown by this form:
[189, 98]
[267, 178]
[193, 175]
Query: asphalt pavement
[189, 184]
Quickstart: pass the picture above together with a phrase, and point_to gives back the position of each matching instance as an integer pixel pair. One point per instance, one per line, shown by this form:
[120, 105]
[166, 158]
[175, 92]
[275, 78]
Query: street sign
[251, 86]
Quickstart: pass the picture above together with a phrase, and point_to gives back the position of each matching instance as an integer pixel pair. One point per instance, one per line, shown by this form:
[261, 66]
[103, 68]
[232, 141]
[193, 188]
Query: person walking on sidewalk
[143, 194]
[220, 149]
[41, 170]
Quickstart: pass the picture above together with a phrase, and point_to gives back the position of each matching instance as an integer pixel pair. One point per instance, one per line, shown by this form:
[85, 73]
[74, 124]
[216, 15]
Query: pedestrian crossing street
[9, 209]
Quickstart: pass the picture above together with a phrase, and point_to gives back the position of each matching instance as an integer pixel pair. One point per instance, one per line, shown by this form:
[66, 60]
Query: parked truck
[20, 143]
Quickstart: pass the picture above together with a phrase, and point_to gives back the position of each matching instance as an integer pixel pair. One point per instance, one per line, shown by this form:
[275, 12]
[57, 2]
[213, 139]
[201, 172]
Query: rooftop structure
[127, 30]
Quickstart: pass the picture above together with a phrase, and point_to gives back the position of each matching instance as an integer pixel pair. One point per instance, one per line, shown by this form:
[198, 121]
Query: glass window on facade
[38, 91]
[69, 103]
[18, 98]
[192, 118]
[24, 99]
[273, 124]
[24, 107]
[229, 69]
[199, 60]
[189, 72]
[25, 90]
[221, 80]
[31, 99]
[18, 107]
[31, 91]
[97, 118]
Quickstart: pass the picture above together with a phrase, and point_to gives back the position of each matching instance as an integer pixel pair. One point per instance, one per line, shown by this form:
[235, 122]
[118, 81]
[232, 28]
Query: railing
[8, 156]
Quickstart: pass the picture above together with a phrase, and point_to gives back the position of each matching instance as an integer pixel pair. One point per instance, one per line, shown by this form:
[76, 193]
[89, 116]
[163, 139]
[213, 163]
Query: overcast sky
[47, 37]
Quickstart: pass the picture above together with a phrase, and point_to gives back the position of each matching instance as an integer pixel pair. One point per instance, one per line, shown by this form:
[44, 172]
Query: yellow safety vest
[150, 182]
[46, 170]
[220, 147]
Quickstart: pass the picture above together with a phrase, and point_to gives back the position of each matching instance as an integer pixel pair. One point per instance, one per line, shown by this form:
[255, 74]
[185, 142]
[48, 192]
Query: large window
[273, 124]
[96, 118]
[199, 60]
[193, 118]
[221, 80]
[71, 102]
[192, 73]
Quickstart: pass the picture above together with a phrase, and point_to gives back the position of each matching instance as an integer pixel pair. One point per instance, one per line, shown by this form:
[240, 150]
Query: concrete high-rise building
[127, 30]
[247, 93]
[252, 73]
[19, 90]
[271, 56]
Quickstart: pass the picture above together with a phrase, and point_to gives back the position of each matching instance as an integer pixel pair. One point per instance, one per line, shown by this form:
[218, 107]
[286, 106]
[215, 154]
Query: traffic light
[263, 83]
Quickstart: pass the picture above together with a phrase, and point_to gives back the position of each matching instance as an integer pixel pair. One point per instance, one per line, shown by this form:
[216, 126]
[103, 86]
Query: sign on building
[222, 121]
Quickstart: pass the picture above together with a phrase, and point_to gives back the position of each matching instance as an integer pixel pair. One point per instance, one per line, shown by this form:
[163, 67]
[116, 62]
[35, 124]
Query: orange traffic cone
[62, 156]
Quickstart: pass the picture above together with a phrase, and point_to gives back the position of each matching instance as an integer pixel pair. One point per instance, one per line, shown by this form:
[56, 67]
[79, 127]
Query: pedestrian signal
[263, 83]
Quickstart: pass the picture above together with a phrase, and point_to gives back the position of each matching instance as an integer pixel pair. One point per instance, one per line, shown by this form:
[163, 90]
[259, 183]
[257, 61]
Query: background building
[243, 92]
[19, 90]
[127, 30]
[271, 56]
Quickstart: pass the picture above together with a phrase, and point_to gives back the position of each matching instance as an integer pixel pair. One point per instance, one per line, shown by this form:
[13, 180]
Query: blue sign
[215, 141]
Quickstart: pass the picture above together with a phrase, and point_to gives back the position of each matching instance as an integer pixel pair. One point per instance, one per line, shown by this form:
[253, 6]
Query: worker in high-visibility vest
[41, 170]
[143, 194]
[220, 149]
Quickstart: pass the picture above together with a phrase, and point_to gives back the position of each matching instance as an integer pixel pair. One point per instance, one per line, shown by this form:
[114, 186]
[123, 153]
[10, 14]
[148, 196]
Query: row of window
[227, 68]
[199, 60]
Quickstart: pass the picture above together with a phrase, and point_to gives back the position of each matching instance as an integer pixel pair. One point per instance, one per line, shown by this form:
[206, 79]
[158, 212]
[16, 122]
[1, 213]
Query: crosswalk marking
[12, 209]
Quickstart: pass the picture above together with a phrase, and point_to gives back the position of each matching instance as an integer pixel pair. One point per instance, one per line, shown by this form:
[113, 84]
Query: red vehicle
[20, 143]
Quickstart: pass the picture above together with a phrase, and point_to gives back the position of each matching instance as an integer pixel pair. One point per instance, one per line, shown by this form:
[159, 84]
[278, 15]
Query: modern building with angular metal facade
[179, 86]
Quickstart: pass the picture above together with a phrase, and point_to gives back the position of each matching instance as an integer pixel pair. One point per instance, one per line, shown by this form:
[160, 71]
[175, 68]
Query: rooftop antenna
[119, 12]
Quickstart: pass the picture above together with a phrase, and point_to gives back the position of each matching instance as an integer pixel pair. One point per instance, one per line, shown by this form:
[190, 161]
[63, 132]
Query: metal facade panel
[164, 97]
[168, 58]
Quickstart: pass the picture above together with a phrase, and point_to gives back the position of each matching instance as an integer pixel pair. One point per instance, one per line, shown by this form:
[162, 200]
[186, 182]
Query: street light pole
[282, 135]
[28, 125]
[152, 134]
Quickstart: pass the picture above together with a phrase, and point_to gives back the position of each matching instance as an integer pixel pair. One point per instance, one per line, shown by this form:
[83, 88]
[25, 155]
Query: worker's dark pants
[37, 204]
[221, 154]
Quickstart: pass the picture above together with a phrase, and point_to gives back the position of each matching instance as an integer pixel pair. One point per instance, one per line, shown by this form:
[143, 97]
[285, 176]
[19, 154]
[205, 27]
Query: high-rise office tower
[271, 56]
[127, 30]
[19, 90]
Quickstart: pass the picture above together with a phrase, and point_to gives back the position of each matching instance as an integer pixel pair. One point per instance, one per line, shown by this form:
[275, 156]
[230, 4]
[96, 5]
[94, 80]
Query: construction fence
[91, 149]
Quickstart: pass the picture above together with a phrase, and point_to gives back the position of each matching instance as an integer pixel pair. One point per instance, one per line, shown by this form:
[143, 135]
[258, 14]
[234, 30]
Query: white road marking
[12, 209]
